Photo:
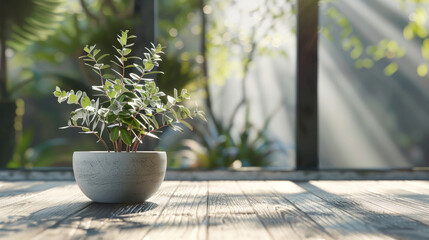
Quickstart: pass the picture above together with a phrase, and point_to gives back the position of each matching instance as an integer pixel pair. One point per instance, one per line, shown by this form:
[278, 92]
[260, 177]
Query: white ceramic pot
[125, 177]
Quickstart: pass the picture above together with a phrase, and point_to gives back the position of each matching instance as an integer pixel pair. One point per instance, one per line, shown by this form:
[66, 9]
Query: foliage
[222, 148]
[23, 22]
[27, 21]
[364, 56]
[41, 154]
[386, 49]
[133, 106]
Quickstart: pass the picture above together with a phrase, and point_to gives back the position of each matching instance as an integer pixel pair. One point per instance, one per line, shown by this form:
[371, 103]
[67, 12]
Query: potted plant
[129, 108]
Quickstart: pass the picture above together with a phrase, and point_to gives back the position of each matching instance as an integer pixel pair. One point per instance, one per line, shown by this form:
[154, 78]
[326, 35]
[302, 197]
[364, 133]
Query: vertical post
[146, 30]
[307, 109]
[147, 27]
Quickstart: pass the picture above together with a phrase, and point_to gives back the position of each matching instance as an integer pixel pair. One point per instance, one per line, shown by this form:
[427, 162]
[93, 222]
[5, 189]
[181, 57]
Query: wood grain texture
[113, 221]
[185, 216]
[356, 199]
[230, 214]
[282, 219]
[221, 210]
[387, 196]
[23, 190]
[30, 215]
[337, 222]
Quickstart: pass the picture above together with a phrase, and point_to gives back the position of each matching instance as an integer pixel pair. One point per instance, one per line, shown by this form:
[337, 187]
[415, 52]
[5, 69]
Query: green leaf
[201, 116]
[155, 123]
[154, 72]
[114, 134]
[186, 124]
[73, 98]
[158, 48]
[104, 67]
[126, 51]
[85, 101]
[112, 94]
[390, 69]
[111, 118]
[134, 76]
[78, 94]
[422, 70]
[425, 49]
[140, 68]
[85, 129]
[102, 56]
[126, 138]
[171, 99]
[148, 66]
[123, 39]
[174, 113]
[86, 49]
[186, 111]
[108, 76]
[96, 51]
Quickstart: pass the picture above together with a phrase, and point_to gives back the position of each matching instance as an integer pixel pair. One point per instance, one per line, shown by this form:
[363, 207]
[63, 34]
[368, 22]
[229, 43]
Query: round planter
[125, 177]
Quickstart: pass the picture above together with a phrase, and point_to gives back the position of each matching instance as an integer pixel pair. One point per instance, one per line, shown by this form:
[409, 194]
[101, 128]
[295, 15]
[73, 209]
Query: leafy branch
[127, 106]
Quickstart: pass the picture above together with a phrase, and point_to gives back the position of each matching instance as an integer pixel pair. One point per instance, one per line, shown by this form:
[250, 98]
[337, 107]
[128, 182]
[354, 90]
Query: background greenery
[215, 46]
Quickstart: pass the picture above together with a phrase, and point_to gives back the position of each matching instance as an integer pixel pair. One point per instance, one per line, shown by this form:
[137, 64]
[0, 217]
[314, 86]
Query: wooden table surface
[221, 210]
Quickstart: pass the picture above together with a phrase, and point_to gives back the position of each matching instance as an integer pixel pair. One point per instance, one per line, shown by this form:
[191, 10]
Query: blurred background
[238, 58]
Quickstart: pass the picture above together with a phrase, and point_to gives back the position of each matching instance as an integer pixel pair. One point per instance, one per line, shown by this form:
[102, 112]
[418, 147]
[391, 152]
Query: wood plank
[230, 214]
[282, 219]
[337, 222]
[14, 185]
[32, 215]
[420, 190]
[113, 221]
[378, 193]
[416, 194]
[16, 188]
[185, 216]
[421, 187]
[25, 190]
[354, 199]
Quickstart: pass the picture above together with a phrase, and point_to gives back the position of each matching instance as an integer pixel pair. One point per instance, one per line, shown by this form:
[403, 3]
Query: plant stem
[120, 144]
[135, 115]
[123, 75]
[101, 75]
[104, 143]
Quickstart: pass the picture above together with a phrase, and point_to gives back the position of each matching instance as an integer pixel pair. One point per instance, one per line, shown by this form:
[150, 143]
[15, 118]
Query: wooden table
[221, 210]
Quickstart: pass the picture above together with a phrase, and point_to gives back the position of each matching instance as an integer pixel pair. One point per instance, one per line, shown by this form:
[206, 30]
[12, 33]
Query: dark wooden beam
[147, 27]
[307, 110]
[146, 30]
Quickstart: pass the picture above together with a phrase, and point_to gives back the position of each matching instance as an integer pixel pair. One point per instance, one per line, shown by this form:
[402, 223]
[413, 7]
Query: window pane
[250, 49]
[373, 84]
